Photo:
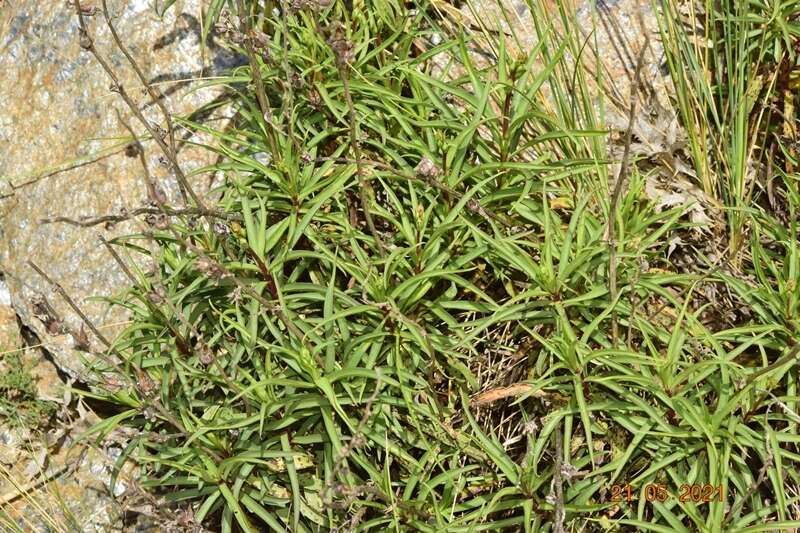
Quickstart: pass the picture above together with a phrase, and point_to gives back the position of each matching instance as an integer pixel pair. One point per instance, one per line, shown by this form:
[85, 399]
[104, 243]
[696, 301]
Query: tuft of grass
[34, 504]
[733, 64]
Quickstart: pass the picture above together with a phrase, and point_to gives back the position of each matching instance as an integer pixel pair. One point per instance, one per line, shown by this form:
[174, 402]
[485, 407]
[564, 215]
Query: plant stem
[88, 44]
[611, 232]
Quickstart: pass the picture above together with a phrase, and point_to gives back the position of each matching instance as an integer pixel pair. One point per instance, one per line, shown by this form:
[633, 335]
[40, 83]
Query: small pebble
[263, 158]
[119, 489]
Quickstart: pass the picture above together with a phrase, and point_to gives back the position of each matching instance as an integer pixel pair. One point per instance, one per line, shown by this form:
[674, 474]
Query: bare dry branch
[622, 176]
[86, 222]
[88, 44]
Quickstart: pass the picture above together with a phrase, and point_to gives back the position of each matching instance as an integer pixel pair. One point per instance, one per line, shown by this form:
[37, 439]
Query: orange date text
[653, 492]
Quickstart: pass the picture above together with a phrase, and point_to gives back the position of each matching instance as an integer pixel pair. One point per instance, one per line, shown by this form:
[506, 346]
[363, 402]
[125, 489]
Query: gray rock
[10, 336]
[5, 296]
[62, 150]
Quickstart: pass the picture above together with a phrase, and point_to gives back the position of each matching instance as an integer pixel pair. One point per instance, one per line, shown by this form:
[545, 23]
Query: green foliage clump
[403, 308]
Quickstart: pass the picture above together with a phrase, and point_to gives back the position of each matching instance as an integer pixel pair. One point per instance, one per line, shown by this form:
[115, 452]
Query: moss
[19, 404]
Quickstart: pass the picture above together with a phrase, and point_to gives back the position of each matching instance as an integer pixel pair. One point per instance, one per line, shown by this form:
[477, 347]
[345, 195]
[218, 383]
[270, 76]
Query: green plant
[19, 403]
[427, 310]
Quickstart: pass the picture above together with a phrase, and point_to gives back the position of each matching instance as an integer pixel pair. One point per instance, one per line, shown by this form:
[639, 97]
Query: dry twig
[558, 485]
[622, 176]
[87, 43]
[86, 222]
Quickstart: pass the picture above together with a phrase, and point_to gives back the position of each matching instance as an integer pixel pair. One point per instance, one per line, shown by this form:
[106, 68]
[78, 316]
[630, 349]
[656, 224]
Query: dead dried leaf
[493, 395]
